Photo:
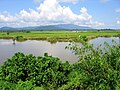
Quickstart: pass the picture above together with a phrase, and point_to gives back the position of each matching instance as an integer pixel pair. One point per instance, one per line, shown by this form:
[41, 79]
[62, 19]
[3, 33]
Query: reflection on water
[100, 40]
[37, 48]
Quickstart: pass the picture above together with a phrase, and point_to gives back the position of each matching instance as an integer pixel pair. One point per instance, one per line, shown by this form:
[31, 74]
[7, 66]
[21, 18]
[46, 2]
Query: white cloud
[6, 17]
[118, 22]
[49, 12]
[117, 10]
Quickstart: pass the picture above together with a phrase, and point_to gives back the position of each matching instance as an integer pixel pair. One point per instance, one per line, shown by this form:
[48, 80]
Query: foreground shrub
[4, 85]
[27, 85]
[47, 71]
[97, 69]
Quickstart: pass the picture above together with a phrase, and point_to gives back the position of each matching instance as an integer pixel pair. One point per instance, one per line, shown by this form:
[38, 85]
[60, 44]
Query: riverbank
[57, 36]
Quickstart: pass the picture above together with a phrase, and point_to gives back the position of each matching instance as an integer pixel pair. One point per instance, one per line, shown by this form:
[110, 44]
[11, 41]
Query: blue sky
[93, 13]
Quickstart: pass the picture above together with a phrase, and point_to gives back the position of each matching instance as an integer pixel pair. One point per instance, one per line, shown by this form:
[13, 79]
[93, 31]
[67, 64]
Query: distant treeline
[10, 31]
[27, 31]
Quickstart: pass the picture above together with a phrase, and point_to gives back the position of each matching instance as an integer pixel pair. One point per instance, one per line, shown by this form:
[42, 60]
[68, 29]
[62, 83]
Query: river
[39, 47]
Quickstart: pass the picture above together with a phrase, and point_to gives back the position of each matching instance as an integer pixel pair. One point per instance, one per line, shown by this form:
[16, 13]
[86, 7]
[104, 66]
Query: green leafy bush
[27, 85]
[4, 85]
[44, 71]
[97, 69]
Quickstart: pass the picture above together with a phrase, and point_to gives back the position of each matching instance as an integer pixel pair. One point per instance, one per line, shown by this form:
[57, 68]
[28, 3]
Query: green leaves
[97, 69]
[44, 71]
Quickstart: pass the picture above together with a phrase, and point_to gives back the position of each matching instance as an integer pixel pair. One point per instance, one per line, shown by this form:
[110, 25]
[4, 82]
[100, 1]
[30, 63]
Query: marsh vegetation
[58, 36]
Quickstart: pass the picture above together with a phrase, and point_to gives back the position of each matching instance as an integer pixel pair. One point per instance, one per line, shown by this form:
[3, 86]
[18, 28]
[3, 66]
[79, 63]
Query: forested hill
[49, 27]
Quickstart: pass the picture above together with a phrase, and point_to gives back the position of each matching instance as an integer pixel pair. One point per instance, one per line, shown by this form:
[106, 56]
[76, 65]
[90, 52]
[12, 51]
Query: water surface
[101, 40]
[38, 48]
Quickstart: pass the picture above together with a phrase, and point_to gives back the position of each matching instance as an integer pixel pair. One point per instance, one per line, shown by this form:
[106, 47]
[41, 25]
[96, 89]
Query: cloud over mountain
[49, 12]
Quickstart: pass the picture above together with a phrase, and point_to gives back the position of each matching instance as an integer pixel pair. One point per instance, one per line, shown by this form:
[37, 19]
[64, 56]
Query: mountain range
[49, 27]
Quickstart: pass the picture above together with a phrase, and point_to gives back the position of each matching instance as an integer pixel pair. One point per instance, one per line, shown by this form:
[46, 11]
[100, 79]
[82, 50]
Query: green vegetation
[97, 69]
[20, 38]
[58, 36]
[27, 71]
